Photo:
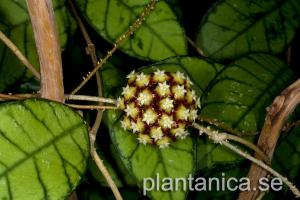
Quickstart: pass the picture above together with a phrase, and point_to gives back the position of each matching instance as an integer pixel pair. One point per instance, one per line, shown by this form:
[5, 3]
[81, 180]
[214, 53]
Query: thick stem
[48, 48]
[278, 112]
[46, 39]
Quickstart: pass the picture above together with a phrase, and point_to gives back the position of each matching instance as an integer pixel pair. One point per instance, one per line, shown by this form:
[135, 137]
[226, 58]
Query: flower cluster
[158, 106]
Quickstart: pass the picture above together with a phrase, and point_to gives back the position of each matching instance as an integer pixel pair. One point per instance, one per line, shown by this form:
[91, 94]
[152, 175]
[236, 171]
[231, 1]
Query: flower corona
[158, 106]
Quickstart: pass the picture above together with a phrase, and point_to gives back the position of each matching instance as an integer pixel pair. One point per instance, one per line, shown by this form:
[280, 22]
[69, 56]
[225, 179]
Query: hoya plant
[149, 99]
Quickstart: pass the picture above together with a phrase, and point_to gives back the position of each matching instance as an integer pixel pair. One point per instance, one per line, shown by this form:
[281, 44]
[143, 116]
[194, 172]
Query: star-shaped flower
[160, 76]
[128, 92]
[134, 127]
[131, 75]
[142, 79]
[156, 133]
[193, 115]
[166, 121]
[181, 133]
[145, 97]
[179, 77]
[144, 139]
[182, 113]
[178, 91]
[120, 103]
[159, 73]
[167, 104]
[125, 90]
[163, 88]
[125, 123]
[131, 110]
[149, 116]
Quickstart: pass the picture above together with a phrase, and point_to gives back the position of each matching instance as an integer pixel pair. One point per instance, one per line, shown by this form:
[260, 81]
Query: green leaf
[236, 27]
[15, 23]
[159, 37]
[44, 148]
[287, 155]
[148, 161]
[240, 94]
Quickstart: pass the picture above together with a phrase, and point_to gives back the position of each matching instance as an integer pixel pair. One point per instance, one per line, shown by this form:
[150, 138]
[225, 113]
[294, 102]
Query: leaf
[240, 94]
[44, 148]
[148, 161]
[236, 27]
[18, 29]
[159, 37]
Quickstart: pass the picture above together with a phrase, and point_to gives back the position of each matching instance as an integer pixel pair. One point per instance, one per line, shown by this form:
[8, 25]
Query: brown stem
[197, 49]
[92, 52]
[90, 46]
[105, 173]
[278, 112]
[90, 98]
[46, 39]
[91, 107]
[94, 130]
[6, 97]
